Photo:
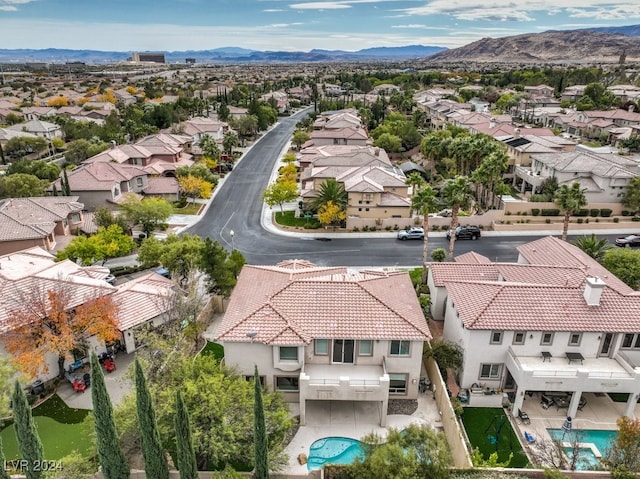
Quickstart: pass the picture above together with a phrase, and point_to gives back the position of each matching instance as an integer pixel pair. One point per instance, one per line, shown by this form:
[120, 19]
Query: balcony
[344, 382]
[527, 175]
[558, 374]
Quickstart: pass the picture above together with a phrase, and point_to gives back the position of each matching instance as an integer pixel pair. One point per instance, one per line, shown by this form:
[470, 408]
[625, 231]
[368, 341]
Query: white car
[415, 232]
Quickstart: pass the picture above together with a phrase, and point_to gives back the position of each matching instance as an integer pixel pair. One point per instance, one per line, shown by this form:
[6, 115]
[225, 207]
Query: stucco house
[43, 129]
[37, 221]
[555, 321]
[326, 333]
[604, 175]
[29, 274]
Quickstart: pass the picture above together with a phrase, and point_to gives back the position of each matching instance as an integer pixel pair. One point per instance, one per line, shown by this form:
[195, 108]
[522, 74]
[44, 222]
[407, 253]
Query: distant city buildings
[148, 57]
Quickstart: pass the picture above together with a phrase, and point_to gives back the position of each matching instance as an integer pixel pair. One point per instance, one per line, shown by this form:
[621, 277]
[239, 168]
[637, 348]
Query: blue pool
[333, 450]
[601, 440]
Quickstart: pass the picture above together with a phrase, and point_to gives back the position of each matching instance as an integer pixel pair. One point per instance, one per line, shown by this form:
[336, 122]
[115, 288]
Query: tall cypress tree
[67, 188]
[261, 443]
[112, 460]
[186, 456]
[29, 443]
[4, 474]
[155, 461]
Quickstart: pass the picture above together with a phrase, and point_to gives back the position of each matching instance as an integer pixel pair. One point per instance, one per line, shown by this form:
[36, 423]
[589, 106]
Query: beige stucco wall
[7, 247]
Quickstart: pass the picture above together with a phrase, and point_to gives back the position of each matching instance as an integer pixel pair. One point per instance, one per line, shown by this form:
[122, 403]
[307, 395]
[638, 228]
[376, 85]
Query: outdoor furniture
[561, 402]
[76, 365]
[575, 357]
[546, 355]
[79, 385]
[86, 378]
[524, 417]
[529, 437]
[546, 401]
[109, 365]
[582, 403]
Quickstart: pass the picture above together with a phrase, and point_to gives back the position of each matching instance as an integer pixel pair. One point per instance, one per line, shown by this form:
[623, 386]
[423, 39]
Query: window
[574, 339]
[547, 339]
[288, 353]
[287, 383]
[397, 383]
[75, 217]
[399, 348]
[139, 181]
[261, 378]
[490, 371]
[519, 337]
[365, 348]
[496, 337]
[631, 341]
[321, 347]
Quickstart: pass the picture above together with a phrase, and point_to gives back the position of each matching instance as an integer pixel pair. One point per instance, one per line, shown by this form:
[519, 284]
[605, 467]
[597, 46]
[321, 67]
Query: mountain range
[223, 55]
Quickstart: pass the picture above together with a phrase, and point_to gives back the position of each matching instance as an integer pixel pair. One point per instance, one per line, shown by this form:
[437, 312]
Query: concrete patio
[351, 419]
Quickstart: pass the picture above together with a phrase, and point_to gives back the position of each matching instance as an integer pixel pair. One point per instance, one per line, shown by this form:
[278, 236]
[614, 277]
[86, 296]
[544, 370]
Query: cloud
[10, 5]
[413, 25]
[273, 10]
[8, 8]
[521, 11]
[284, 25]
[320, 6]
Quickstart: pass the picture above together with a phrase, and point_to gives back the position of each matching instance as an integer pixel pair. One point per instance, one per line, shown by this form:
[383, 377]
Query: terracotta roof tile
[285, 305]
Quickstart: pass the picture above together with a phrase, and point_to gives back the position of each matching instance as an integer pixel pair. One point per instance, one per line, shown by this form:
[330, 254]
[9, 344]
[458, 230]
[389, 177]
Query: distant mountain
[630, 30]
[221, 55]
[566, 47]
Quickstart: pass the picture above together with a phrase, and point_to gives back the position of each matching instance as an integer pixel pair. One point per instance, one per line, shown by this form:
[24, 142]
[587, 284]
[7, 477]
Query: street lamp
[232, 233]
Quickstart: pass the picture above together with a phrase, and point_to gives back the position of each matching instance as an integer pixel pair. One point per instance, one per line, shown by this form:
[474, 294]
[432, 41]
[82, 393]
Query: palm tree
[330, 190]
[425, 202]
[570, 199]
[416, 181]
[458, 194]
[594, 247]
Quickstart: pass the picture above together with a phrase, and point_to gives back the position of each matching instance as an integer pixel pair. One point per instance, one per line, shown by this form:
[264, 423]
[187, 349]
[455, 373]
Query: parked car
[411, 233]
[628, 241]
[162, 271]
[465, 232]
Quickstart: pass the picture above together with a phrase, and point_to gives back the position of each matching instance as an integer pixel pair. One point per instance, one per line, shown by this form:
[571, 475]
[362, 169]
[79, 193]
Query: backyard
[62, 430]
[489, 430]
[288, 218]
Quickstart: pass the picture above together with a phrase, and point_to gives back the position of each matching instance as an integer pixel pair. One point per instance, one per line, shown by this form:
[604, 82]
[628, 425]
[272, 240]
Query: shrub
[435, 227]
[594, 212]
[539, 198]
[388, 228]
[626, 213]
[535, 211]
[616, 219]
[581, 212]
[396, 227]
[365, 228]
[580, 221]
[635, 218]
[444, 227]
[586, 220]
[550, 212]
[355, 229]
[605, 212]
[507, 213]
[597, 220]
[547, 220]
[528, 220]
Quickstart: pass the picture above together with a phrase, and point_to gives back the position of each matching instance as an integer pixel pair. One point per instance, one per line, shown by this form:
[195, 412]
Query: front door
[605, 345]
[343, 350]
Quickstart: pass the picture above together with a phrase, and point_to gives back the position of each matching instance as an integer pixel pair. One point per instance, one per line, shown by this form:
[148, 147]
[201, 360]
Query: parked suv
[465, 232]
[411, 233]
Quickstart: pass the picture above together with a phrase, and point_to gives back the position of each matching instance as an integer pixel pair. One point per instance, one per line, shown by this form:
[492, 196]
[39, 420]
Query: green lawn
[61, 428]
[214, 349]
[189, 209]
[482, 423]
[289, 219]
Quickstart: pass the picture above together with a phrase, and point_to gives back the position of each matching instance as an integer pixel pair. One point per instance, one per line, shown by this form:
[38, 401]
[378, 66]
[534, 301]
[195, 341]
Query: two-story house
[326, 333]
[555, 321]
[603, 176]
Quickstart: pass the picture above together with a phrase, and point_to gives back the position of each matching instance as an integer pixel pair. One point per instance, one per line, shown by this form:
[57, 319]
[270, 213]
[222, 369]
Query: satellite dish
[252, 334]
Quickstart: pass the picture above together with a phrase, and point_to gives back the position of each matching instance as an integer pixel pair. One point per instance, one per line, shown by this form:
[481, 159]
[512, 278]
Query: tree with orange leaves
[48, 323]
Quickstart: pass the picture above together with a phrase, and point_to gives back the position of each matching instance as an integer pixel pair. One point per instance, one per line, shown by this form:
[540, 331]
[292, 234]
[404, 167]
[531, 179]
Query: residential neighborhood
[235, 239]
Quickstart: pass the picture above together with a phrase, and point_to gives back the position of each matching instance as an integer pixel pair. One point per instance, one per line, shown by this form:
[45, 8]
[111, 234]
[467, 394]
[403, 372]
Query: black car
[465, 232]
[628, 241]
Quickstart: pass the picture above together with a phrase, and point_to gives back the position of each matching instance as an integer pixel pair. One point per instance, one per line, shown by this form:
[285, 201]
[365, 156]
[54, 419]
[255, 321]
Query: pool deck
[354, 420]
[600, 412]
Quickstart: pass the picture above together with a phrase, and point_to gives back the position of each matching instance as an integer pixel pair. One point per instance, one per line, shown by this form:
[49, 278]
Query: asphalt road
[237, 207]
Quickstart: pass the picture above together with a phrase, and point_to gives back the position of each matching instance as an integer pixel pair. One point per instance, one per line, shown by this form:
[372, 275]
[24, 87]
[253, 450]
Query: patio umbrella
[566, 427]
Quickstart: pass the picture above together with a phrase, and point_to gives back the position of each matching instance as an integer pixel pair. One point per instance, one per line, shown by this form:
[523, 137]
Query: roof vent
[593, 288]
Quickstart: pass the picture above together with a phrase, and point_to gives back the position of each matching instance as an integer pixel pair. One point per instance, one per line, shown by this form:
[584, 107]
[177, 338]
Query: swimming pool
[596, 442]
[333, 450]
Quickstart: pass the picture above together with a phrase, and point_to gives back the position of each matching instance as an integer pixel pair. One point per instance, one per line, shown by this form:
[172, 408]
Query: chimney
[516, 133]
[492, 123]
[593, 290]
[631, 108]
[376, 151]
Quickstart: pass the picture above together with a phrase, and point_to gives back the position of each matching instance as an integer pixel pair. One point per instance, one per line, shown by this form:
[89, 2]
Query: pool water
[333, 450]
[601, 440]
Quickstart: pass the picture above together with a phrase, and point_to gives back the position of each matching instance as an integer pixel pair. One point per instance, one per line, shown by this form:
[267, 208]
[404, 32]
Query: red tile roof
[295, 302]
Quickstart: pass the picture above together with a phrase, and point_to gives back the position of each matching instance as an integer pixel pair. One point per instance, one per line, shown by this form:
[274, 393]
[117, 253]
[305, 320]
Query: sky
[291, 25]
